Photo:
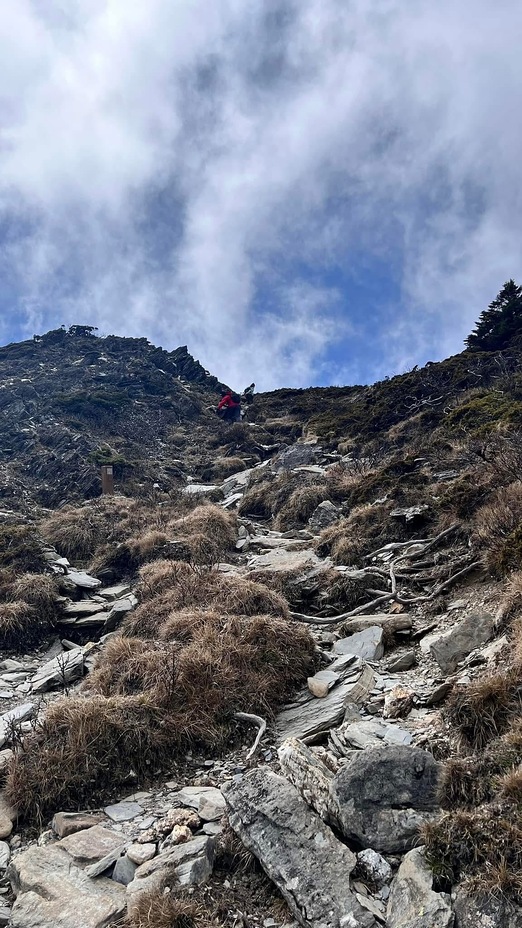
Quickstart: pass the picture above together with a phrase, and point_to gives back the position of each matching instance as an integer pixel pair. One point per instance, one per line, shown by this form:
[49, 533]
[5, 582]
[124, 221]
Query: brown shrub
[83, 749]
[477, 778]
[20, 549]
[364, 530]
[224, 467]
[209, 520]
[16, 620]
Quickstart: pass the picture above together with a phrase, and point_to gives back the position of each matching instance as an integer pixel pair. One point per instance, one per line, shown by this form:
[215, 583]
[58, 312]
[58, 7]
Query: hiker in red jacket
[229, 407]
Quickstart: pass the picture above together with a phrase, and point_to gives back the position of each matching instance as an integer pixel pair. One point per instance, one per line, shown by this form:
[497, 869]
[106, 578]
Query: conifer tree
[498, 323]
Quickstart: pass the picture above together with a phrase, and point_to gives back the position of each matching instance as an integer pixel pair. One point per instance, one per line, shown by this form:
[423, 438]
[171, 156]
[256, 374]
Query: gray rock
[91, 845]
[7, 817]
[383, 795]
[373, 869]
[296, 456]
[110, 593]
[372, 733]
[124, 870]
[207, 800]
[81, 610]
[201, 489]
[325, 514]
[67, 823]
[62, 669]
[480, 911]
[123, 811]
[17, 715]
[183, 865]
[322, 682]
[105, 863]
[296, 849]
[412, 902]
[141, 853]
[5, 855]
[51, 891]
[119, 611]
[454, 645]
[402, 662]
[281, 559]
[367, 644]
[5, 915]
[82, 579]
[308, 716]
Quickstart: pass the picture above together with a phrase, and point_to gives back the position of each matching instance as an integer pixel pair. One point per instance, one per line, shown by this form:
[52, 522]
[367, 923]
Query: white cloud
[201, 173]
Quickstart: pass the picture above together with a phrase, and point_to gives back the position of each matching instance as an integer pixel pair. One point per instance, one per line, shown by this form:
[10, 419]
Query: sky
[304, 192]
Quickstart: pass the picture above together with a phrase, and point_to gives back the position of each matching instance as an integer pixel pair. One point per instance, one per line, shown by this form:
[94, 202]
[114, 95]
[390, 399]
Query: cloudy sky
[303, 191]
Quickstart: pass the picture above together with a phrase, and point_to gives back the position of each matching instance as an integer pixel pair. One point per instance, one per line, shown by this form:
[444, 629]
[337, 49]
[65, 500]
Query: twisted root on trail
[408, 555]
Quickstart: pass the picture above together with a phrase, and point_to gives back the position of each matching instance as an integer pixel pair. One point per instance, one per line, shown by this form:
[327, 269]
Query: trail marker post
[107, 479]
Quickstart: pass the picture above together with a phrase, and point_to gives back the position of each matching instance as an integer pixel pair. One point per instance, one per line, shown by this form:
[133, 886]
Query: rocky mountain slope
[275, 679]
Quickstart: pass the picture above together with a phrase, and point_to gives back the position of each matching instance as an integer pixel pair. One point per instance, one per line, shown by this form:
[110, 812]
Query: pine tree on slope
[499, 322]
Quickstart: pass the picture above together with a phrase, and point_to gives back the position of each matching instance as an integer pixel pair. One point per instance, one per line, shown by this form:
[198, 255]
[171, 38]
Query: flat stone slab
[454, 645]
[207, 800]
[367, 644]
[19, 714]
[111, 593]
[68, 823]
[82, 579]
[51, 891]
[66, 667]
[308, 716]
[201, 489]
[85, 608]
[91, 844]
[373, 733]
[123, 811]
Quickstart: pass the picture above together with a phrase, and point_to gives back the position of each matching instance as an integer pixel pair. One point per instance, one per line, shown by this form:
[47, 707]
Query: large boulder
[485, 911]
[454, 645]
[51, 890]
[308, 864]
[412, 902]
[383, 795]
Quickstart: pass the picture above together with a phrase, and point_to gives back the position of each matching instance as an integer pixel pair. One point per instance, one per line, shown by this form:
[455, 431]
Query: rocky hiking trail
[330, 793]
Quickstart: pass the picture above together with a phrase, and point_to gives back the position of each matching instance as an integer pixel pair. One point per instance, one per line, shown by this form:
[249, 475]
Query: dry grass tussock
[294, 514]
[28, 608]
[202, 538]
[224, 467]
[497, 528]
[167, 587]
[78, 532]
[487, 707]
[150, 699]
[477, 778]
[365, 529]
[20, 549]
[482, 847]
[155, 910]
